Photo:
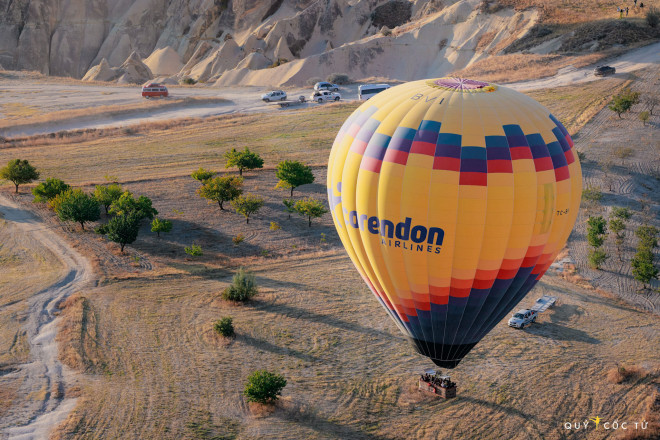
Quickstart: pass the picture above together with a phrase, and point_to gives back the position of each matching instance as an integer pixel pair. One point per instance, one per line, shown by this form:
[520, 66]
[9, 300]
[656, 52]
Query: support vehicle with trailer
[525, 317]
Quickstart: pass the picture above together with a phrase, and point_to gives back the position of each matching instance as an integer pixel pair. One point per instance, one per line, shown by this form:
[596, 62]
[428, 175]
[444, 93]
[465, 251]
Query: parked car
[604, 70]
[323, 85]
[324, 96]
[522, 318]
[154, 90]
[274, 95]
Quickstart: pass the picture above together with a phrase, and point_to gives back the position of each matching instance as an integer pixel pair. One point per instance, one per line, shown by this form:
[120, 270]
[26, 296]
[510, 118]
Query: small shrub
[340, 79]
[264, 387]
[623, 153]
[644, 116]
[623, 374]
[313, 80]
[581, 156]
[194, 250]
[202, 175]
[623, 101]
[592, 194]
[622, 213]
[653, 17]
[265, 253]
[48, 190]
[278, 62]
[597, 257]
[247, 205]
[189, 81]
[225, 327]
[158, 226]
[242, 288]
[385, 31]
[323, 239]
[274, 226]
[238, 239]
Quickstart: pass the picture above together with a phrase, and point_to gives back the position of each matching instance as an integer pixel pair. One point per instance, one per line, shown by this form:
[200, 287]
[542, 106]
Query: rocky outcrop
[132, 71]
[164, 61]
[233, 40]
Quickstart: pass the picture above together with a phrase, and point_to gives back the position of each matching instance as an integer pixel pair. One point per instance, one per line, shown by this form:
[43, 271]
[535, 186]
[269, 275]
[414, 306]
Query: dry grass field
[154, 368]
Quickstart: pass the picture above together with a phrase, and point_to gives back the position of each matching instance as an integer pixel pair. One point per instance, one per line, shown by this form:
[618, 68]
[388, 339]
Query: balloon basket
[439, 386]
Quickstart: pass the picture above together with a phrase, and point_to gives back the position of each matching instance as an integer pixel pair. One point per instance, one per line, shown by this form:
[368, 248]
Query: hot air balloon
[452, 198]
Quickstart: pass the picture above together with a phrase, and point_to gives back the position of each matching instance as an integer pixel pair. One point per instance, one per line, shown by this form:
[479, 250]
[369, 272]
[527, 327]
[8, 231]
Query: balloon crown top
[462, 84]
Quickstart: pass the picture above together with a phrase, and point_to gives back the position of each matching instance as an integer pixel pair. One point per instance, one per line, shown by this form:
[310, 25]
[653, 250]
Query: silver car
[274, 95]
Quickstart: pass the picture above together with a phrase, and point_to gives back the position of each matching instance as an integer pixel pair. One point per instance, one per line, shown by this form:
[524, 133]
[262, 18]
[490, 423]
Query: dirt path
[647, 56]
[45, 381]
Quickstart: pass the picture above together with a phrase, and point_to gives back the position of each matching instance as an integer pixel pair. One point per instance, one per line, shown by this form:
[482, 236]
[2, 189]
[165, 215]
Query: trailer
[544, 303]
[288, 103]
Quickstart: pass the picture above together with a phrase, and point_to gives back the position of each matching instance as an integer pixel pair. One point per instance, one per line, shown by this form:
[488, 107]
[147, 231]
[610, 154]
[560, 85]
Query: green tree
[648, 236]
[123, 228]
[596, 229]
[623, 101]
[643, 267]
[126, 204]
[19, 172]
[158, 226]
[48, 190]
[264, 387]
[202, 175]
[225, 326]
[76, 206]
[243, 286]
[617, 226]
[290, 206]
[621, 213]
[107, 194]
[247, 205]
[293, 174]
[597, 257]
[221, 189]
[310, 208]
[644, 116]
[243, 160]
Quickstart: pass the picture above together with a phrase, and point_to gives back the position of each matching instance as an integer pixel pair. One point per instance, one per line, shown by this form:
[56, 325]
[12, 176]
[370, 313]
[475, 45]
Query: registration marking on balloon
[452, 198]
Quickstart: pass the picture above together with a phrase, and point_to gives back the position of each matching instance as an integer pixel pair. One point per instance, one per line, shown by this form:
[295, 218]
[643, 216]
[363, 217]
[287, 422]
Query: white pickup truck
[324, 96]
[524, 317]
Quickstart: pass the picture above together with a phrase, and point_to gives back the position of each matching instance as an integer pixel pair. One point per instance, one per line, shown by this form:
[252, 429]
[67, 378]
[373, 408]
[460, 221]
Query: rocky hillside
[265, 42]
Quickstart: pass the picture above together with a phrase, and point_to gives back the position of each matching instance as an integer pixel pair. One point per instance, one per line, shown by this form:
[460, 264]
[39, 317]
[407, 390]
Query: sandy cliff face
[236, 41]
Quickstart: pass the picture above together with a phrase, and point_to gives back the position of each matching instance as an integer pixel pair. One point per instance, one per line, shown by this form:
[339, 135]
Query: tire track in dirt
[45, 380]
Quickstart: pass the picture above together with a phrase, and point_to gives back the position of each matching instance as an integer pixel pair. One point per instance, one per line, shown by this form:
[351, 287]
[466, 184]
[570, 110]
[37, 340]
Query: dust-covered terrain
[151, 366]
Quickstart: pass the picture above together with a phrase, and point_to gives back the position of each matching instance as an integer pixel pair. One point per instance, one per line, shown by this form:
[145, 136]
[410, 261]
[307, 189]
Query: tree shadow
[275, 349]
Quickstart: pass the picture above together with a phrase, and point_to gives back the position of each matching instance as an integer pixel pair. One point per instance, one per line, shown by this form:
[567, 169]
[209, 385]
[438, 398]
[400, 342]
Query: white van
[366, 91]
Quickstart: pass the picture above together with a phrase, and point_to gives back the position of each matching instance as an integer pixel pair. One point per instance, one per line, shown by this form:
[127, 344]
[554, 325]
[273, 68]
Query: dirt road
[44, 380]
[647, 56]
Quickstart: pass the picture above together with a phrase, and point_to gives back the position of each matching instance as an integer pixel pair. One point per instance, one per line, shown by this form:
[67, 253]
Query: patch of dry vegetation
[77, 335]
[571, 11]
[16, 115]
[623, 374]
[521, 67]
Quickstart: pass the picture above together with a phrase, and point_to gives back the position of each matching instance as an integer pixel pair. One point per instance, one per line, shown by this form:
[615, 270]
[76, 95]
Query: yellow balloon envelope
[452, 198]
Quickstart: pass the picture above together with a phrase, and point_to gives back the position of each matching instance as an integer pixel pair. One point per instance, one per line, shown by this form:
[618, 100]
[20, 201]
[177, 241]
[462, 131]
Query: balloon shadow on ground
[325, 426]
[558, 332]
[275, 349]
[296, 312]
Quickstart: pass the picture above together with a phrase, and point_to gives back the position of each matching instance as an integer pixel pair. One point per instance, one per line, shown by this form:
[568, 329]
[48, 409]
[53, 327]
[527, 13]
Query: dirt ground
[157, 370]
[632, 182]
